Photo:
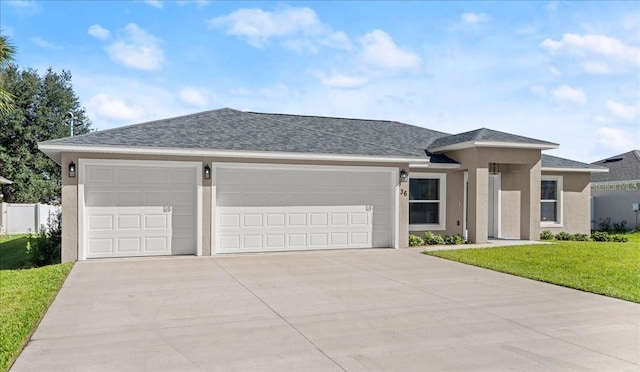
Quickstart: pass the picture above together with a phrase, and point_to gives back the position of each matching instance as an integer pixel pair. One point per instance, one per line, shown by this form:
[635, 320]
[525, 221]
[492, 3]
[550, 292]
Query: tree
[41, 104]
[7, 51]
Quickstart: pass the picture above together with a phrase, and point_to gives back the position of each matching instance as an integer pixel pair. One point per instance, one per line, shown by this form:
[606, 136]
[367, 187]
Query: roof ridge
[337, 135]
[344, 118]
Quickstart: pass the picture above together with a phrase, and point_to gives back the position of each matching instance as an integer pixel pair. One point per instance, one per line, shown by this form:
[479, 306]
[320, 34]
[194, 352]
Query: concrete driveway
[394, 310]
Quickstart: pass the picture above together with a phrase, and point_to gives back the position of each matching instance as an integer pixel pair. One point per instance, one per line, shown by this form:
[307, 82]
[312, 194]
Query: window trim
[559, 192]
[442, 210]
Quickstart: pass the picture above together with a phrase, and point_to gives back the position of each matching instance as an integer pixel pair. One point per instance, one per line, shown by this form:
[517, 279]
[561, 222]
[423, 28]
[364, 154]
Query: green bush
[619, 239]
[432, 239]
[546, 235]
[415, 241]
[44, 248]
[563, 236]
[455, 239]
[599, 236]
[580, 237]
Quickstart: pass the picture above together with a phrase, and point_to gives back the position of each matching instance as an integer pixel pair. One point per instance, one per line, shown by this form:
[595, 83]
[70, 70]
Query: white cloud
[42, 43]
[193, 96]
[154, 3]
[594, 44]
[568, 94]
[137, 49]
[615, 139]
[379, 49]
[596, 68]
[29, 6]
[473, 18]
[99, 32]
[300, 28]
[626, 112]
[342, 81]
[113, 108]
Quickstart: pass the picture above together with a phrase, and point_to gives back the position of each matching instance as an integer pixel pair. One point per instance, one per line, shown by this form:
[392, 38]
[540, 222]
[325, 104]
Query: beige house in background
[613, 194]
[226, 181]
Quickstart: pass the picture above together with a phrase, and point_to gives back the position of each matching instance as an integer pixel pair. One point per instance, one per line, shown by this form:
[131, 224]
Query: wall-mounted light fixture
[207, 172]
[72, 170]
[404, 176]
[494, 168]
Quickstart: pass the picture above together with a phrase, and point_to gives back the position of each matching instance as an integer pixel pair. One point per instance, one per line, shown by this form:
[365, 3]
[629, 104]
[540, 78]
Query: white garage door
[285, 207]
[138, 208]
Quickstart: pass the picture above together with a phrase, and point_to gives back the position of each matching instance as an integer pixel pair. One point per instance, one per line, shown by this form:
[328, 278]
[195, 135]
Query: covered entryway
[269, 207]
[138, 208]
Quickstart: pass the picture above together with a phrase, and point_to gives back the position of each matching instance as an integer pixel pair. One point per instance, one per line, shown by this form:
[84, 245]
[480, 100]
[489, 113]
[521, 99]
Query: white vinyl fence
[25, 218]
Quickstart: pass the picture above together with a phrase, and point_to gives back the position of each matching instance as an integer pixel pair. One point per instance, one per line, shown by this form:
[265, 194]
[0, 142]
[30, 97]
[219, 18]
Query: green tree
[41, 104]
[7, 51]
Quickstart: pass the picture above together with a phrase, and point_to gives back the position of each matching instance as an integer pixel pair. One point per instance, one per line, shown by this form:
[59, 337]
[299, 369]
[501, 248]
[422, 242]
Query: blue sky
[567, 72]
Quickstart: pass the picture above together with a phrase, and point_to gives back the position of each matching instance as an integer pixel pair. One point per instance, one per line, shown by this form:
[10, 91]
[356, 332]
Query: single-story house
[227, 181]
[615, 195]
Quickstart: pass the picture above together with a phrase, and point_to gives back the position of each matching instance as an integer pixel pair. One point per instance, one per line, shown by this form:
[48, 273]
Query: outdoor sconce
[72, 170]
[207, 172]
[494, 168]
[404, 176]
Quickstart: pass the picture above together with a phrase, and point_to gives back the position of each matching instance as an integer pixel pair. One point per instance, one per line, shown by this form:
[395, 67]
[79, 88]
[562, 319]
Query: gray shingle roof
[549, 161]
[485, 135]
[227, 129]
[623, 167]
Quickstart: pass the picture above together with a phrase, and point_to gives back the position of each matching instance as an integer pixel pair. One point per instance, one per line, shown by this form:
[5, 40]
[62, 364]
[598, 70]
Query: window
[551, 201]
[426, 201]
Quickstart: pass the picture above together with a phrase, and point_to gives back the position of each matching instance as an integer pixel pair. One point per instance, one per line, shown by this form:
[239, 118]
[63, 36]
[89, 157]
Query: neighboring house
[229, 181]
[614, 193]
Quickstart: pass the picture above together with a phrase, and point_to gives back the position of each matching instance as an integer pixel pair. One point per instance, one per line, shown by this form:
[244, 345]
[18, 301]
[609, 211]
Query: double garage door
[149, 208]
[281, 208]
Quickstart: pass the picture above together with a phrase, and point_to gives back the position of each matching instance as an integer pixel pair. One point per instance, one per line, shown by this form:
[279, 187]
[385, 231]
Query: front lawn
[25, 296]
[13, 251]
[610, 269]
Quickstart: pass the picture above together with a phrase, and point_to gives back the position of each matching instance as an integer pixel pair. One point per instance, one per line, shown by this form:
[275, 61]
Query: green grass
[25, 296]
[13, 251]
[611, 269]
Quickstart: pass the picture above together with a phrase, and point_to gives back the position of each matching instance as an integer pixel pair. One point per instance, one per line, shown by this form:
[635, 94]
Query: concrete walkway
[392, 310]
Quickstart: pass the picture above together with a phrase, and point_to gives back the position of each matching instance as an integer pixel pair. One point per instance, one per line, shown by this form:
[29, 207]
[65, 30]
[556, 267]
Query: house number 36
[403, 192]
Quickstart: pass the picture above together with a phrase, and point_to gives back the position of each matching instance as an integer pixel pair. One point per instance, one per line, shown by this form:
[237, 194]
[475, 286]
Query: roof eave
[54, 151]
[575, 170]
[470, 144]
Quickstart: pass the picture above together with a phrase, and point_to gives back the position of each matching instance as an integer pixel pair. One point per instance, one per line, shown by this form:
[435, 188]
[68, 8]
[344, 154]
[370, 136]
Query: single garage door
[143, 208]
[270, 207]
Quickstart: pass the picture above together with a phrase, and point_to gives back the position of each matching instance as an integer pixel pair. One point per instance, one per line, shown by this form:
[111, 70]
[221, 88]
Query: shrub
[600, 236]
[604, 224]
[580, 237]
[455, 239]
[44, 248]
[432, 239]
[546, 235]
[415, 241]
[619, 239]
[563, 236]
[620, 226]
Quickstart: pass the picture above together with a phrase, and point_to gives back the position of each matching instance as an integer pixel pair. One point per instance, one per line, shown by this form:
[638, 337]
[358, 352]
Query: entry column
[530, 202]
[478, 204]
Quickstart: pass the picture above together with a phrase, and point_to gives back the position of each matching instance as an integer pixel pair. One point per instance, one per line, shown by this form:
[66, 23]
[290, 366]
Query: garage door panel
[291, 228]
[270, 186]
[132, 210]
